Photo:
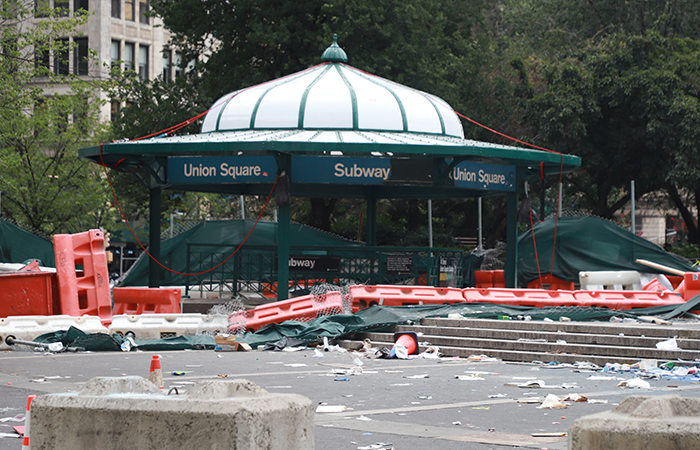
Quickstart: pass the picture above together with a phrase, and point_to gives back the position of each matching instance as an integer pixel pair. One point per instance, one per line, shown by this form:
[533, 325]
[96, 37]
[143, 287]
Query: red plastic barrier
[522, 297]
[540, 298]
[139, 300]
[623, 300]
[305, 307]
[83, 291]
[29, 294]
[483, 278]
[391, 295]
[499, 278]
[690, 286]
[553, 282]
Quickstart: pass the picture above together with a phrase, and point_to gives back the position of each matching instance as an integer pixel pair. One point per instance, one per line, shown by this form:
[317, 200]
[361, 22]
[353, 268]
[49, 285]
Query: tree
[43, 183]
[629, 106]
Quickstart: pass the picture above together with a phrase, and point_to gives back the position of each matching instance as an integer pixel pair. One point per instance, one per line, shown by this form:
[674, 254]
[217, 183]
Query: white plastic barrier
[158, 326]
[615, 280]
[27, 328]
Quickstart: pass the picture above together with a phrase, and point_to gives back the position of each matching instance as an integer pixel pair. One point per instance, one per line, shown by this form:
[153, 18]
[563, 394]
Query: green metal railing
[254, 268]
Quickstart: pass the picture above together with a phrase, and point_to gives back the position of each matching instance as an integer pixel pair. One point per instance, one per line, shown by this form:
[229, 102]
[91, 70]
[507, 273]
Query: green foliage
[685, 249]
[43, 183]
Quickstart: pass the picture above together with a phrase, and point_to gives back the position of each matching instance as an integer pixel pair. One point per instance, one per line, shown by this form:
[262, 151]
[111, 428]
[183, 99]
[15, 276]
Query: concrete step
[566, 342]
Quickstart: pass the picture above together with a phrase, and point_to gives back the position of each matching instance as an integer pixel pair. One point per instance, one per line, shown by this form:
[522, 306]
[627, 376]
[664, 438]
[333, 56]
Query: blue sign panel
[340, 170]
[221, 169]
[481, 176]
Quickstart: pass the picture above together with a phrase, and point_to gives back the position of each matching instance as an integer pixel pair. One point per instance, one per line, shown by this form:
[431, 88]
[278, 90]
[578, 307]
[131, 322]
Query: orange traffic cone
[408, 339]
[156, 374]
[25, 441]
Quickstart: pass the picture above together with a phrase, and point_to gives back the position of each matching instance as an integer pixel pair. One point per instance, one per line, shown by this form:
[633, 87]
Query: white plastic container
[612, 280]
[27, 328]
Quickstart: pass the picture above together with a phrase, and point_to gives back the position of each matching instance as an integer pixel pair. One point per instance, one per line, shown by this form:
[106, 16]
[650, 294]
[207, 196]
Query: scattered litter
[318, 353]
[378, 446]
[457, 423]
[363, 418]
[633, 383]
[17, 418]
[415, 377]
[553, 402]
[498, 396]
[402, 384]
[562, 434]
[342, 379]
[597, 400]
[575, 398]
[561, 342]
[10, 435]
[481, 407]
[529, 400]
[331, 408]
[422, 396]
[471, 376]
[601, 377]
[669, 344]
[482, 358]
[296, 365]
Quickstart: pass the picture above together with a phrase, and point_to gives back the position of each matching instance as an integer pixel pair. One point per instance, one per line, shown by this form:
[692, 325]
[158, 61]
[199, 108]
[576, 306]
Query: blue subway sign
[491, 177]
[337, 170]
[333, 170]
[221, 169]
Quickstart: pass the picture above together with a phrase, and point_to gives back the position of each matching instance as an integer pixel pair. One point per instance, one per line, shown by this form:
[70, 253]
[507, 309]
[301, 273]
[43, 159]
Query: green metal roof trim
[331, 143]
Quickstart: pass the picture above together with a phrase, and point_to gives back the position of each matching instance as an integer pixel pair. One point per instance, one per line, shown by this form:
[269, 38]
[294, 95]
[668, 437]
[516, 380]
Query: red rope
[119, 206]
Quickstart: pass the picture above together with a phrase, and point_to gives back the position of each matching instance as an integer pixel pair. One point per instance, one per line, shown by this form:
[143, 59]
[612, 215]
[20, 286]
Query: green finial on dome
[334, 53]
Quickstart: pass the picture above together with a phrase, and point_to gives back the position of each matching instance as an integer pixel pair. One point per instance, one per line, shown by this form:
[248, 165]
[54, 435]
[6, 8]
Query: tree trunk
[685, 212]
[321, 213]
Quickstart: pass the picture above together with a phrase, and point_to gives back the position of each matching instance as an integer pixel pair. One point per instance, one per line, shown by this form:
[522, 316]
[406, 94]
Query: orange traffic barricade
[401, 295]
[141, 300]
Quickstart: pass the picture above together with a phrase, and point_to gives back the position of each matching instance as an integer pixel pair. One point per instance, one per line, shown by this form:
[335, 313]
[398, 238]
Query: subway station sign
[336, 170]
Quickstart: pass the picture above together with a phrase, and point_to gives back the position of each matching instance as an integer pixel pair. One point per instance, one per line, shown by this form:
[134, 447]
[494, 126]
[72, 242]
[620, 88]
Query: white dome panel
[238, 109]
[209, 123]
[329, 103]
[279, 108]
[420, 112]
[377, 108]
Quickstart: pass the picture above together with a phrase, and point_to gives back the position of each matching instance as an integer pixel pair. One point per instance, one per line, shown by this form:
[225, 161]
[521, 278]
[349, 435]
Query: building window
[61, 57]
[115, 54]
[42, 62]
[178, 64]
[41, 8]
[143, 62]
[129, 10]
[116, 106]
[117, 9]
[80, 4]
[80, 56]
[129, 56]
[143, 9]
[62, 8]
[167, 65]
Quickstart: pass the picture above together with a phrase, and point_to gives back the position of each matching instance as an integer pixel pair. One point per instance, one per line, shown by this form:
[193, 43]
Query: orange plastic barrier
[622, 300]
[140, 300]
[29, 294]
[521, 297]
[553, 282]
[690, 286]
[540, 298]
[305, 307]
[83, 291]
[483, 278]
[390, 295]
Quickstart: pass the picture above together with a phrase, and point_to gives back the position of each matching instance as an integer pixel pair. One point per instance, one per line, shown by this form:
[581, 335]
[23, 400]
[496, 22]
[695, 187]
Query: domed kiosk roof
[333, 97]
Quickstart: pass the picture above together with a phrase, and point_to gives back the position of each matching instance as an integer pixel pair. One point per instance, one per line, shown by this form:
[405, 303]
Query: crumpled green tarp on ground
[101, 342]
[377, 318]
[384, 317]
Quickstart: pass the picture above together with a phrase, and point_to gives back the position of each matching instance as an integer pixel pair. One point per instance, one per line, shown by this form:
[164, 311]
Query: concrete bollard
[668, 422]
[130, 413]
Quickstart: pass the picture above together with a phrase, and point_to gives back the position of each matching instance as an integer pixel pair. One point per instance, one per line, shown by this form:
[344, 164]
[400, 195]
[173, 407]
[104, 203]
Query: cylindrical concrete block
[130, 413]
[668, 422]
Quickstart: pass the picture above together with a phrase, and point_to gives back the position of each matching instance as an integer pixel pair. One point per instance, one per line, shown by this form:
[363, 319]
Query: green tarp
[222, 236]
[18, 246]
[587, 244]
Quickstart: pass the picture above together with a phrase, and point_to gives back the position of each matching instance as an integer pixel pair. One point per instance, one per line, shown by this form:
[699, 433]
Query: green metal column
[371, 221]
[154, 236]
[283, 253]
[511, 269]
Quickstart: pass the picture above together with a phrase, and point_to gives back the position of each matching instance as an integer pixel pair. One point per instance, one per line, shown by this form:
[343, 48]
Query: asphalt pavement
[441, 403]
